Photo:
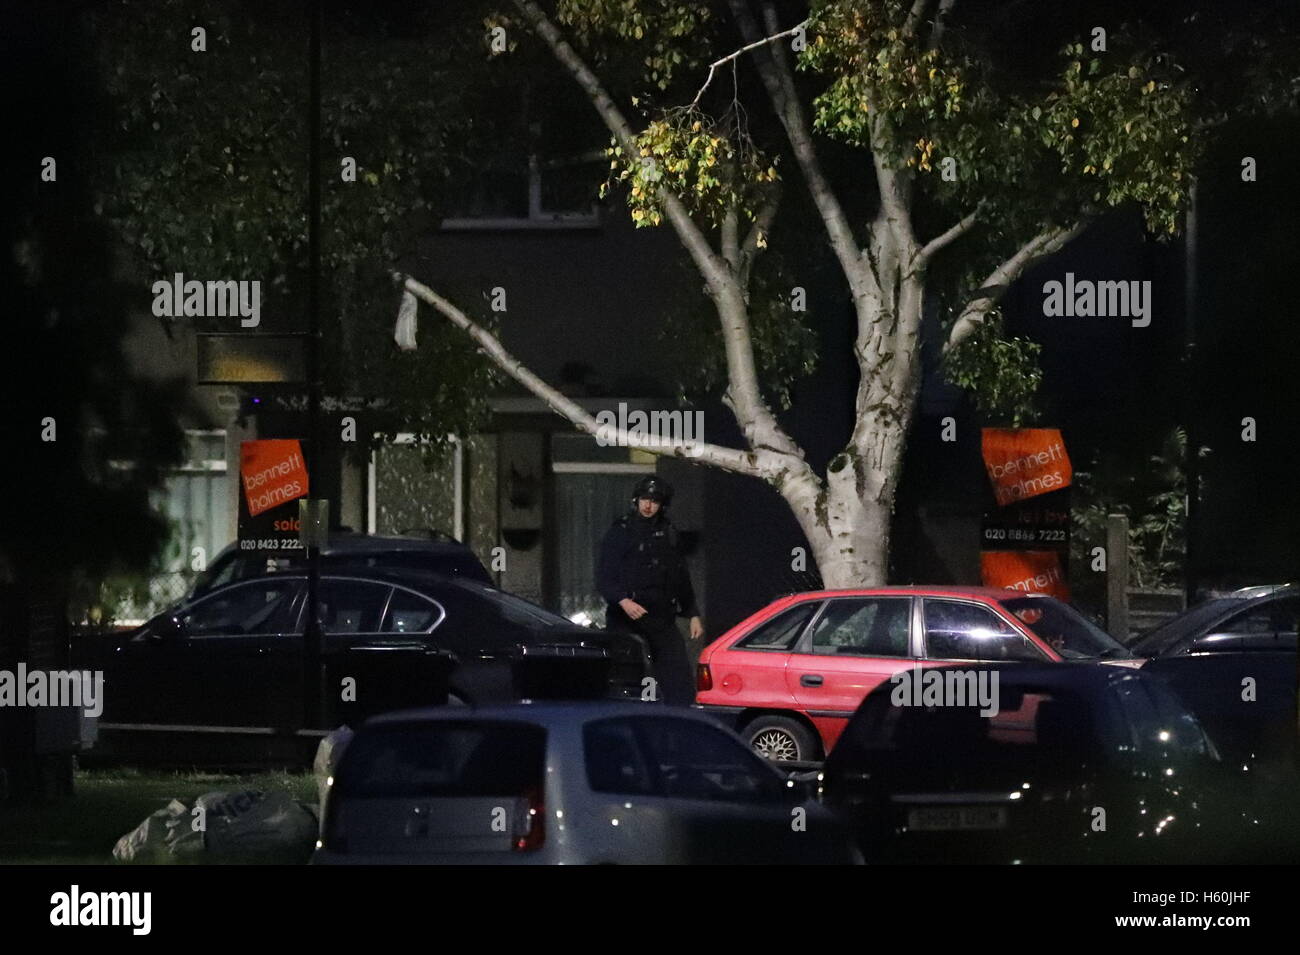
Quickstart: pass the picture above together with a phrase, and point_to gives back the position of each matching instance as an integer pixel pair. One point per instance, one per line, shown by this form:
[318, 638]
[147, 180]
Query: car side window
[410, 613]
[693, 760]
[352, 606]
[615, 762]
[966, 631]
[1286, 623]
[782, 631]
[675, 758]
[868, 627]
[254, 607]
[1270, 627]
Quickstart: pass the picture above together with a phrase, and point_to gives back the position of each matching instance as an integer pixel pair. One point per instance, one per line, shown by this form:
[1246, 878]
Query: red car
[789, 677]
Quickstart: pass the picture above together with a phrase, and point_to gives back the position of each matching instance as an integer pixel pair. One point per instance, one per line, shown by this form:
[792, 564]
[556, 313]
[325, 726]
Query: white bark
[845, 518]
[761, 464]
[1048, 242]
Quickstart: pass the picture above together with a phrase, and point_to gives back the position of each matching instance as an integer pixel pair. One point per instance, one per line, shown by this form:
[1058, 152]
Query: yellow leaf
[1074, 123]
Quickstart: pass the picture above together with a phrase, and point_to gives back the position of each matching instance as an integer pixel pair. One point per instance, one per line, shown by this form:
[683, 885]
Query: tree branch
[697, 244]
[774, 69]
[936, 34]
[743, 50]
[730, 459]
[914, 15]
[758, 233]
[999, 280]
[731, 238]
[943, 240]
[752, 414]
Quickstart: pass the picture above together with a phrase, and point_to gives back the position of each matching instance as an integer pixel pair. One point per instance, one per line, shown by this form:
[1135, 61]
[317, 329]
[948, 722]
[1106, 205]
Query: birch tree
[958, 162]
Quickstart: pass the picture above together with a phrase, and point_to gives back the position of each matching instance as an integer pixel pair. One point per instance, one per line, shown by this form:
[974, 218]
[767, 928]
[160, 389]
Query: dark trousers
[673, 671]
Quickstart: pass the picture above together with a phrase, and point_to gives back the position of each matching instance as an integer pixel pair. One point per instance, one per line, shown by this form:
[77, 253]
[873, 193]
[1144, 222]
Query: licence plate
[950, 818]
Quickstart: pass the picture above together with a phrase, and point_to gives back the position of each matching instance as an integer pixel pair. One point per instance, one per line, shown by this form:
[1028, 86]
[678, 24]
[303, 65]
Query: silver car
[576, 783]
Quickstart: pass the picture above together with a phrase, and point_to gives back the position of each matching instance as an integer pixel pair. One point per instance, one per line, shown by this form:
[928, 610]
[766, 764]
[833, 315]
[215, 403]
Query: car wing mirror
[167, 627]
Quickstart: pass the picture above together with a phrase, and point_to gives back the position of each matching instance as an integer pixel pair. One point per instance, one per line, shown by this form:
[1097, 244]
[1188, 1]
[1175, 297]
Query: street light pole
[313, 641]
[1191, 457]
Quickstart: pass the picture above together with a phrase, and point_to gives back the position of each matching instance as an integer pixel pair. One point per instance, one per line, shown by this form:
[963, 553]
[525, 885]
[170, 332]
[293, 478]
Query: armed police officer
[643, 578]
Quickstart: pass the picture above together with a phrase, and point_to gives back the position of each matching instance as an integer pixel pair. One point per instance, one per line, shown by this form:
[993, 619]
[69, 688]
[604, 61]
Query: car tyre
[781, 738]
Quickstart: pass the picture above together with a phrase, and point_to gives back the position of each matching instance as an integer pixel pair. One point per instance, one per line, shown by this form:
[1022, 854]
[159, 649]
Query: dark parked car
[1236, 623]
[233, 657]
[1072, 748]
[1247, 703]
[433, 553]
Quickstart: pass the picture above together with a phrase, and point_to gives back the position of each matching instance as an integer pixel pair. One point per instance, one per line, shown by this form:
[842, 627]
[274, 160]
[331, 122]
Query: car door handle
[811, 679]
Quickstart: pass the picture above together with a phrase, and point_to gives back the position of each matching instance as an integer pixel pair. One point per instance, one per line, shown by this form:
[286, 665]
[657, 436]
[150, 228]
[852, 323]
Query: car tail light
[535, 823]
[703, 678]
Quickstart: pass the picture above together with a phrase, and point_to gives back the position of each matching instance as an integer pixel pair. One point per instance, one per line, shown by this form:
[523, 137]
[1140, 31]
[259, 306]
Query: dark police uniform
[640, 560]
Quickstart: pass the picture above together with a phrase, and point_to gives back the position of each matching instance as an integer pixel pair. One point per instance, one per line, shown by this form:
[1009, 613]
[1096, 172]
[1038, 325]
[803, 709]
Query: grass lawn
[109, 803]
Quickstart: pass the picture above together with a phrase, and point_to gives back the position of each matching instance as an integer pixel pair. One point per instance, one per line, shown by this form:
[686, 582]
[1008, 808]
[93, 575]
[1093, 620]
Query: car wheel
[781, 738]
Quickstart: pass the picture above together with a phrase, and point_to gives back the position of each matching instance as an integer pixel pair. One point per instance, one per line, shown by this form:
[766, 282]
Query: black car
[1247, 703]
[1235, 623]
[234, 657]
[1081, 763]
[432, 553]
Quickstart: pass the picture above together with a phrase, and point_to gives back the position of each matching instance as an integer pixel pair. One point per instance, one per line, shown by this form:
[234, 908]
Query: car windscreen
[444, 758]
[1171, 633]
[1064, 629]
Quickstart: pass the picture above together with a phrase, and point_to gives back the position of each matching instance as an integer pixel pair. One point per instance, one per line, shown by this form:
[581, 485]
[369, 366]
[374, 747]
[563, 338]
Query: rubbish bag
[242, 825]
[327, 758]
[155, 835]
[222, 826]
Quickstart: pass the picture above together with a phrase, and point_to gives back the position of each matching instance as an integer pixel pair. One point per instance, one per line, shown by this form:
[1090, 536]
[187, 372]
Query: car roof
[916, 590]
[547, 713]
[371, 543]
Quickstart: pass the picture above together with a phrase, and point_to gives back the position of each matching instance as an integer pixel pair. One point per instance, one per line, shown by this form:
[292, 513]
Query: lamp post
[313, 641]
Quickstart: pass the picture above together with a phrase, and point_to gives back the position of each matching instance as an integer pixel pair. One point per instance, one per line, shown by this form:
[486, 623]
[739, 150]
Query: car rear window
[781, 632]
[444, 758]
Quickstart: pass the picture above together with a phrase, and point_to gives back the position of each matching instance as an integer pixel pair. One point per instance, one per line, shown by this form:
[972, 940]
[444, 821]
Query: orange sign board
[1032, 571]
[1025, 462]
[272, 472]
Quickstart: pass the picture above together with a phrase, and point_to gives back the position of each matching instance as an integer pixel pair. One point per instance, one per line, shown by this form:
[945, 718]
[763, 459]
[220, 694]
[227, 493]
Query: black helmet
[653, 488]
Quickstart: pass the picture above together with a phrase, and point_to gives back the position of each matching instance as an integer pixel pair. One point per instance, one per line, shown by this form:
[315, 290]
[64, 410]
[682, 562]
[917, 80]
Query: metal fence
[160, 592]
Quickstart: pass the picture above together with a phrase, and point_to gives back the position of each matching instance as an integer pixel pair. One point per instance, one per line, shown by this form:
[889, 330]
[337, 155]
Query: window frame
[803, 631]
[636, 722]
[803, 645]
[1044, 657]
[293, 590]
[300, 622]
[442, 613]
